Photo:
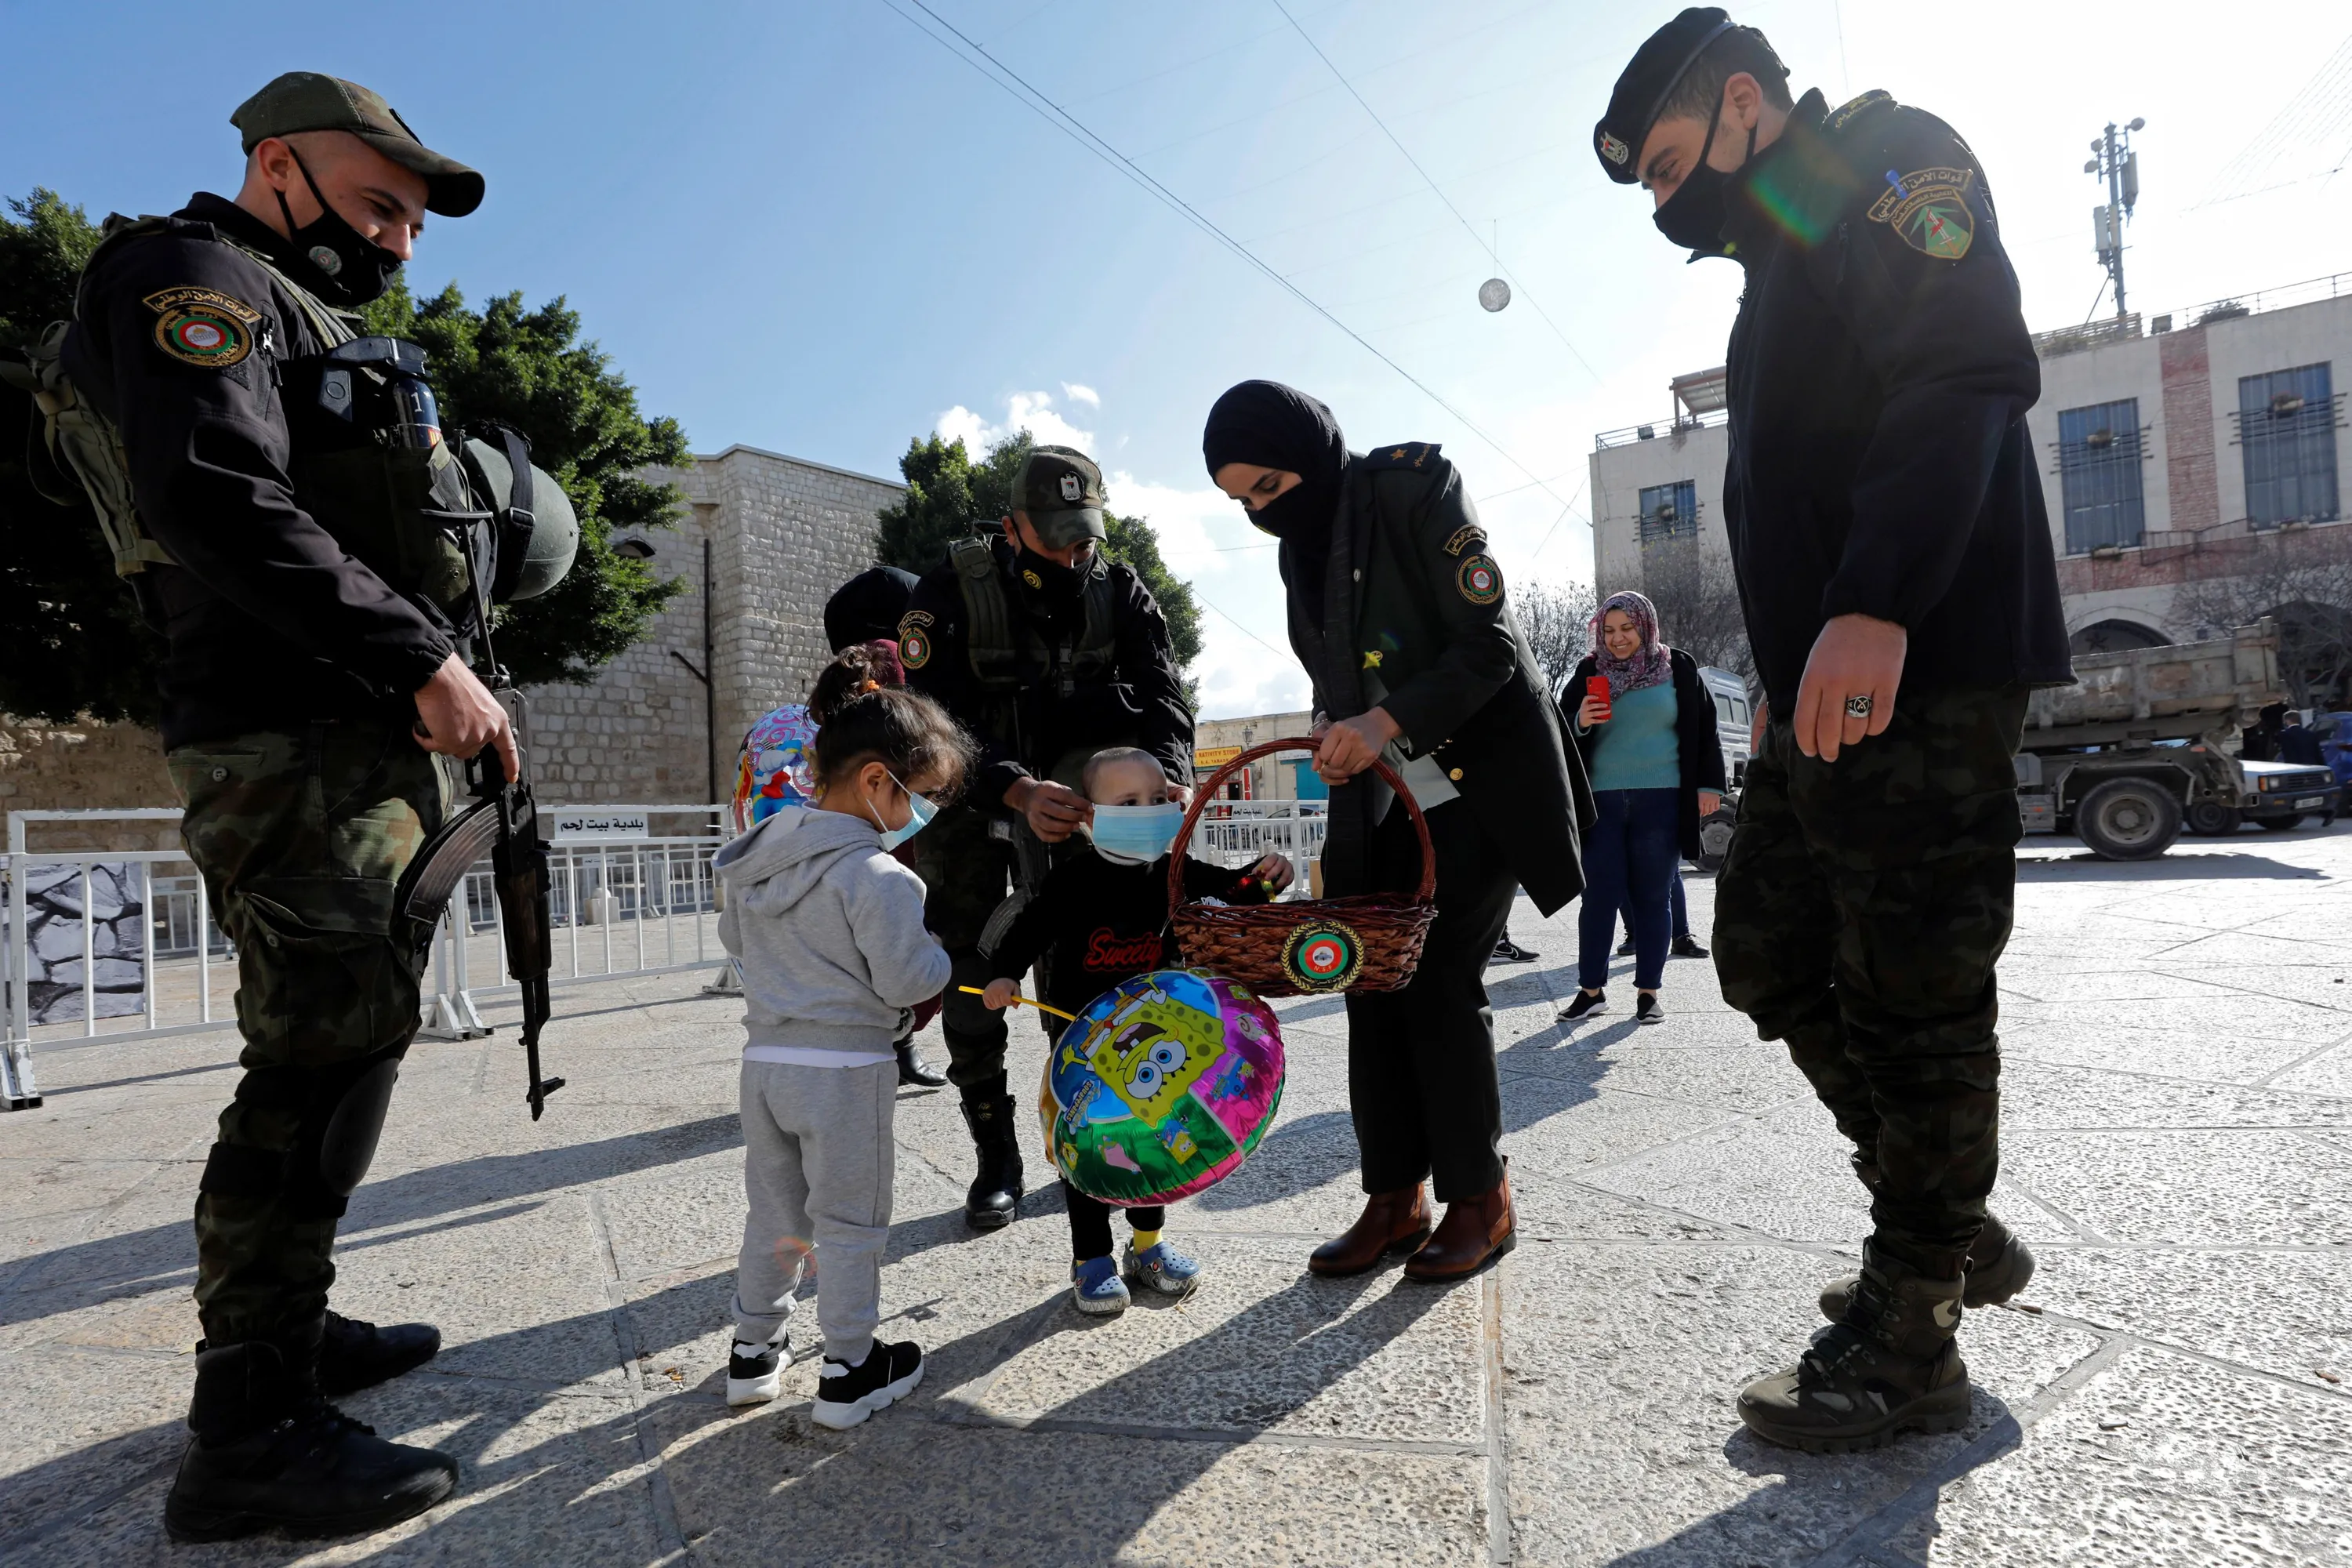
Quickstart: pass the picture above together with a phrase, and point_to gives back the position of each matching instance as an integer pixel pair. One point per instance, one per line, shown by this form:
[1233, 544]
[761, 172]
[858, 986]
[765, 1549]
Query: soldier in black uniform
[1046, 653]
[1397, 610]
[275, 539]
[1888, 529]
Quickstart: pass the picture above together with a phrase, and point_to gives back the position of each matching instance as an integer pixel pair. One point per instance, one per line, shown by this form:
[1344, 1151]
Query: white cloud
[1076, 392]
[1030, 411]
[1192, 525]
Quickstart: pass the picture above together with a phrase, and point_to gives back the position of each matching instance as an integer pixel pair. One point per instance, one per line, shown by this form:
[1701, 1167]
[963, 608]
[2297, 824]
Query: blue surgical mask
[922, 810]
[1135, 835]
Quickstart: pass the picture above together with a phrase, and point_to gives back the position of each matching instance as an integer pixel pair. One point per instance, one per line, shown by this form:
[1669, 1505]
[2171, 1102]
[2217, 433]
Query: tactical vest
[1006, 652]
[389, 507]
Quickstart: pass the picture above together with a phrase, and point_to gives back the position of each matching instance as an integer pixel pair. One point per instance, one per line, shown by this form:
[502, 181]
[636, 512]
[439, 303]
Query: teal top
[1636, 748]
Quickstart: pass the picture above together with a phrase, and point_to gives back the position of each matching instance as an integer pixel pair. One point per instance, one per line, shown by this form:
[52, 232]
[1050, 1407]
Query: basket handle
[1203, 794]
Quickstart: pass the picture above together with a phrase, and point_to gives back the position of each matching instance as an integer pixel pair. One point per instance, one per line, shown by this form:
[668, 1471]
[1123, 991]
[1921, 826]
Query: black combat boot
[1892, 1365]
[269, 1453]
[2000, 1264]
[353, 1355]
[995, 1196]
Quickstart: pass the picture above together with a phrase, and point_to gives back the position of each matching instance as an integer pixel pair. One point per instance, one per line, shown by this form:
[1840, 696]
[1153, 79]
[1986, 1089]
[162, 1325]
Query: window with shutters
[2286, 431]
[2099, 452]
[1669, 511]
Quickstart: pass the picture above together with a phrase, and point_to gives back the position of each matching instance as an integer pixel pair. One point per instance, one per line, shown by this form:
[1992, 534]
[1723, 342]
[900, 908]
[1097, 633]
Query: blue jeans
[1680, 908]
[1629, 864]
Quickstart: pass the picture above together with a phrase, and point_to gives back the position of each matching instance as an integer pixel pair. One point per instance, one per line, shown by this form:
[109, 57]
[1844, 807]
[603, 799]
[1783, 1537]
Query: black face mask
[354, 268]
[1695, 214]
[1055, 585]
[1303, 510]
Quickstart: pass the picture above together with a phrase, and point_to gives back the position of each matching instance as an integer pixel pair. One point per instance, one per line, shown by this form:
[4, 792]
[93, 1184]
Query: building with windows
[2192, 465]
[1289, 776]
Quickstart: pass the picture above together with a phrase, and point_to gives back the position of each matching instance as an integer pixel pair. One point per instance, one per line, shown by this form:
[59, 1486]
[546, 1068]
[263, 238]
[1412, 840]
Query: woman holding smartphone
[1646, 729]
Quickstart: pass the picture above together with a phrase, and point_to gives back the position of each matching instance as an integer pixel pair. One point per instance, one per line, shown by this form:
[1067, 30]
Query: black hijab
[1278, 427]
[868, 606]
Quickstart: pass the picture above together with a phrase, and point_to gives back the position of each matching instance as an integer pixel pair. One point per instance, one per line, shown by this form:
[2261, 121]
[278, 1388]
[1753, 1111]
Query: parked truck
[2133, 751]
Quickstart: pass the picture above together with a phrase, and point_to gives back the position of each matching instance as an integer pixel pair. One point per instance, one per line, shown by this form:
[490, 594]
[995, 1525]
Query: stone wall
[783, 534]
[71, 767]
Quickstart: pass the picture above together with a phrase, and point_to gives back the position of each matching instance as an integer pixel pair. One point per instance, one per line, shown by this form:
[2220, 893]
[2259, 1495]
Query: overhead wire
[1018, 87]
[1524, 291]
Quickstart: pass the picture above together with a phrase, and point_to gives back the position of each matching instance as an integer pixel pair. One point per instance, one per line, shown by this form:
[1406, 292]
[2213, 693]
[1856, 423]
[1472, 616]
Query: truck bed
[2178, 692]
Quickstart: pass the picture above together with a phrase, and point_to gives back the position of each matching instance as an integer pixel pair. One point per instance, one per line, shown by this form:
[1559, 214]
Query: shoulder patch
[1928, 208]
[1480, 580]
[1418, 455]
[203, 326]
[1466, 536]
[914, 640]
[1845, 112]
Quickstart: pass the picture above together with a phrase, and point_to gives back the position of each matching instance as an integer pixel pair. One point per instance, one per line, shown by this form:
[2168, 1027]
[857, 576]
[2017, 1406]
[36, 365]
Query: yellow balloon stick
[1073, 1017]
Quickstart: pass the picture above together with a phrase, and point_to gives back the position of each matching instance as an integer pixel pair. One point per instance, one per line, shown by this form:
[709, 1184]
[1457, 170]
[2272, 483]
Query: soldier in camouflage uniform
[305, 695]
[1893, 552]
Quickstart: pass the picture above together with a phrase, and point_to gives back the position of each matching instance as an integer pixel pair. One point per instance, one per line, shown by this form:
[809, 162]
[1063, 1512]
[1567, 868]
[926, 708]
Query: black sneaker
[754, 1372]
[847, 1396]
[1646, 1009]
[1687, 946]
[1625, 948]
[1509, 951]
[1586, 1004]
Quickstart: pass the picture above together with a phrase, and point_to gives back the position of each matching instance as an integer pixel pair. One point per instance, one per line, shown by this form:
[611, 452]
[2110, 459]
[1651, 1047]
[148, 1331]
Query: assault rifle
[503, 823]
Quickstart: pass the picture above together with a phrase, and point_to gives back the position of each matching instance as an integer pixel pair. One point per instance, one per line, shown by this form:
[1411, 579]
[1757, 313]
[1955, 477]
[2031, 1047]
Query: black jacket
[1096, 923]
[269, 623]
[1880, 371]
[1416, 622]
[1699, 744]
[1140, 703]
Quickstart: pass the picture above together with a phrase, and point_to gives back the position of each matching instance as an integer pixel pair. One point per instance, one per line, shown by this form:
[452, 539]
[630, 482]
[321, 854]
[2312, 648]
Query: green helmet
[537, 533]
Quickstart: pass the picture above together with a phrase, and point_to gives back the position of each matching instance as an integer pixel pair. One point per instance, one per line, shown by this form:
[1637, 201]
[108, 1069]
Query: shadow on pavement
[2211, 864]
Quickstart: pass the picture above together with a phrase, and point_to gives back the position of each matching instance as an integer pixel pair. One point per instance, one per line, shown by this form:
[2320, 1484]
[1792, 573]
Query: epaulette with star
[1418, 455]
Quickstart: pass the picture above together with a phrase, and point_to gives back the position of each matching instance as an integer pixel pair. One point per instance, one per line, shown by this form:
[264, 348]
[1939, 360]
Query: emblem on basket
[1323, 955]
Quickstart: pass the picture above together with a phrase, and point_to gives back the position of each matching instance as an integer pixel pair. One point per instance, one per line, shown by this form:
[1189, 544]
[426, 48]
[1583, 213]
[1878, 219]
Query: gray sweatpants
[818, 1162]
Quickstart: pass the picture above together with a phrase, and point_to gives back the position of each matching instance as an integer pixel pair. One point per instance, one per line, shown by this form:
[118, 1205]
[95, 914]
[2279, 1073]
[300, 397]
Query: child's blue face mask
[921, 811]
[1135, 835]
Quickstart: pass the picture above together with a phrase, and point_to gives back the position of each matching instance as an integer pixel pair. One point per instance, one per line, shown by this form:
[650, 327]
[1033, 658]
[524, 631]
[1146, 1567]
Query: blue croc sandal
[1096, 1289]
[1162, 1270]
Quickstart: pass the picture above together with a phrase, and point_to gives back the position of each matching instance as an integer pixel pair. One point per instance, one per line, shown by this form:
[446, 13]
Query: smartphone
[1597, 687]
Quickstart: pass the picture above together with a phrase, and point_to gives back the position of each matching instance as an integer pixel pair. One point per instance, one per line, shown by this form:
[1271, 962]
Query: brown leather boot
[1474, 1232]
[1392, 1222]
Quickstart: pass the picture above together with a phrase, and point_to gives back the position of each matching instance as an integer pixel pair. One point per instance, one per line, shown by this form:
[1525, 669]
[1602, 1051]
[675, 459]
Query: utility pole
[2113, 161]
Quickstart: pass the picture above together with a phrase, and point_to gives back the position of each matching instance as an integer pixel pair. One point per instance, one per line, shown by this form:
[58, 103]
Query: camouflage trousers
[301, 837]
[1859, 917]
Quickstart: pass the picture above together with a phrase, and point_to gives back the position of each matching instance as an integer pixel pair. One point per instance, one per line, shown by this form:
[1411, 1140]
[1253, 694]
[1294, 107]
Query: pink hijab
[1649, 664]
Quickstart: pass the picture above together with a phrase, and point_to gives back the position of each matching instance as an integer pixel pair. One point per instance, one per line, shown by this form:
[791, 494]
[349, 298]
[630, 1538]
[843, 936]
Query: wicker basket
[1369, 942]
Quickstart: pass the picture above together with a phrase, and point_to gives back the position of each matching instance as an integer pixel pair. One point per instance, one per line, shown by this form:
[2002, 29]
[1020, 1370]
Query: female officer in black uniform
[1397, 610]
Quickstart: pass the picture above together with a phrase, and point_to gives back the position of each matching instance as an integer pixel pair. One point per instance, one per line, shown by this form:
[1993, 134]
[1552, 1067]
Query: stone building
[765, 540]
[1287, 776]
[2206, 449]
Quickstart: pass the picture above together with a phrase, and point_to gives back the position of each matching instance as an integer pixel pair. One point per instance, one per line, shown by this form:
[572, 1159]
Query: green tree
[529, 369]
[946, 490]
[71, 641]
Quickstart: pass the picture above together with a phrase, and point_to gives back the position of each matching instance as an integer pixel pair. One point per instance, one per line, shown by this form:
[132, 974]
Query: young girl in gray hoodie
[827, 930]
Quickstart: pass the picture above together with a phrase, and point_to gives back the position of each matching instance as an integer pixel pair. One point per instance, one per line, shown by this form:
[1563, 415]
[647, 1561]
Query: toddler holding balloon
[827, 930]
[1097, 920]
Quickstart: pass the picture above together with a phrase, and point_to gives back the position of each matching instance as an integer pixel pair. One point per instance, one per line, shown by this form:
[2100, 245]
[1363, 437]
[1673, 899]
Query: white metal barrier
[69, 969]
[1234, 833]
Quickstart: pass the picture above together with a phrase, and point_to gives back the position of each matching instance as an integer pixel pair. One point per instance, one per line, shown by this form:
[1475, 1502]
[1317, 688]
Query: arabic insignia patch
[1928, 208]
[914, 642]
[1464, 537]
[1480, 580]
[203, 326]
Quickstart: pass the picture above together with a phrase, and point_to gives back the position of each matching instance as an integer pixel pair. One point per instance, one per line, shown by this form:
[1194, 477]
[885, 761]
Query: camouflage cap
[307, 101]
[1062, 491]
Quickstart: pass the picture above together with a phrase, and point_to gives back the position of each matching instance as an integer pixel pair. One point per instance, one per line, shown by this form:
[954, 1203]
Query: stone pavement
[2171, 1390]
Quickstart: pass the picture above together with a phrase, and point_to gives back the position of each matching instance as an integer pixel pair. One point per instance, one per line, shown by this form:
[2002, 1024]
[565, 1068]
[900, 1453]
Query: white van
[1734, 717]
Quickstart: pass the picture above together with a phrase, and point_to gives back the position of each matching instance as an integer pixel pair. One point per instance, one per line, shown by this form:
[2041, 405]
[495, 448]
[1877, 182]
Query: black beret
[1657, 65]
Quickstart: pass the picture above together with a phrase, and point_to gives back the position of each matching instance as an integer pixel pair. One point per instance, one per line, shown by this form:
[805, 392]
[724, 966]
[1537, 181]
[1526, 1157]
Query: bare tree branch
[2301, 578]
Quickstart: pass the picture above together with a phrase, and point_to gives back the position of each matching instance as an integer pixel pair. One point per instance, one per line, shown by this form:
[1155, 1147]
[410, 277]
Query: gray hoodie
[828, 932]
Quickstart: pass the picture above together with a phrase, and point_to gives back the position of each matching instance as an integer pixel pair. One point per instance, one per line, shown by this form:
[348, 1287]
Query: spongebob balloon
[1162, 1086]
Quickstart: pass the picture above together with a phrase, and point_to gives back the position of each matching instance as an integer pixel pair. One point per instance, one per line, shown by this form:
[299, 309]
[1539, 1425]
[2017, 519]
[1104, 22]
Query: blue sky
[809, 228]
